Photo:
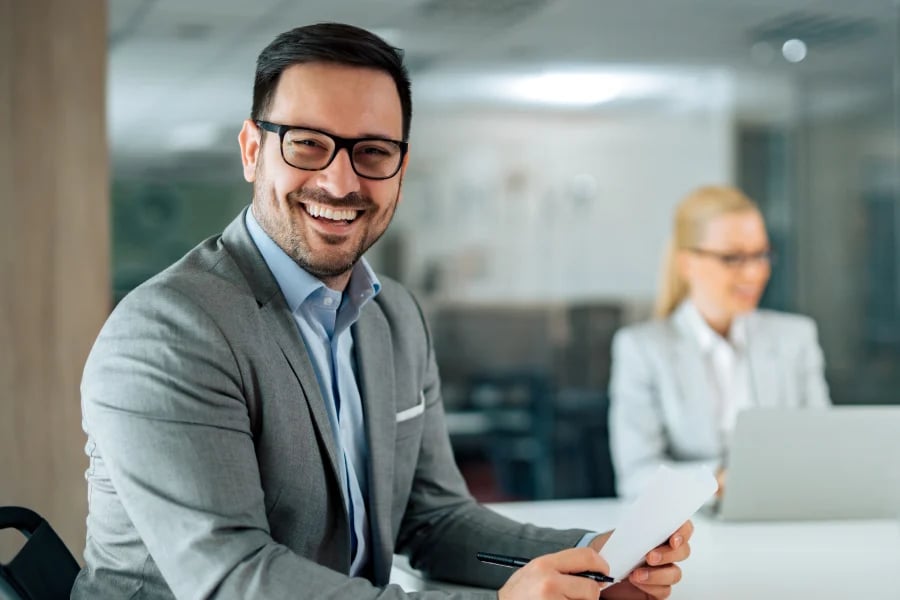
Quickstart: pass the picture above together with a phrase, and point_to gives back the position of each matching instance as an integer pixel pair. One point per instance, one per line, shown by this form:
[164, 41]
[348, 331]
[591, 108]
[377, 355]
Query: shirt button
[328, 301]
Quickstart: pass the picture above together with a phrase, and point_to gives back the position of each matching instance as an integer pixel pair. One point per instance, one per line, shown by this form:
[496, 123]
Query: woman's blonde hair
[692, 215]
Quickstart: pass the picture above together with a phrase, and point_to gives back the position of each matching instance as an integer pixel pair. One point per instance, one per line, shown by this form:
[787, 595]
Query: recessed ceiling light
[794, 50]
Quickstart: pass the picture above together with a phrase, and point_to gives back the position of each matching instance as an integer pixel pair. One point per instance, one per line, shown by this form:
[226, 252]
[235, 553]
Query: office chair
[43, 569]
[519, 407]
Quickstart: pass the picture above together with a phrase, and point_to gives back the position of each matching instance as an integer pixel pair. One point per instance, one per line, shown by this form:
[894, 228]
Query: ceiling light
[571, 89]
[794, 50]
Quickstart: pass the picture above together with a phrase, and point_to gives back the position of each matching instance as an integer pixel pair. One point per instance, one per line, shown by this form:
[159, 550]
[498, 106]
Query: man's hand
[547, 577]
[655, 578]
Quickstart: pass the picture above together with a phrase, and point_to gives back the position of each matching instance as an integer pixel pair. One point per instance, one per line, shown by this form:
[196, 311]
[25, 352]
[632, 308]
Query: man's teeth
[331, 214]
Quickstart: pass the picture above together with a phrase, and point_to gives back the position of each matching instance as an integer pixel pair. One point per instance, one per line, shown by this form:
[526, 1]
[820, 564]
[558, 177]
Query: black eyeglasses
[737, 260]
[313, 150]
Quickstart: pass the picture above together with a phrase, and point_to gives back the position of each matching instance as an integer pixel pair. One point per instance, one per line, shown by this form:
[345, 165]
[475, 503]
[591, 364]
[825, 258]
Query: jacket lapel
[374, 353]
[283, 328]
[763, 363]
[693, 381]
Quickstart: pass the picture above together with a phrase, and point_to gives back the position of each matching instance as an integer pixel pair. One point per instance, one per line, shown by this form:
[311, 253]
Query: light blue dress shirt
[324, 317]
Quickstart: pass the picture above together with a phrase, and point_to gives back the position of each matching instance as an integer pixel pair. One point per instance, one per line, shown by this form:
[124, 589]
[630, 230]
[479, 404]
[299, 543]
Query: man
[264, 417]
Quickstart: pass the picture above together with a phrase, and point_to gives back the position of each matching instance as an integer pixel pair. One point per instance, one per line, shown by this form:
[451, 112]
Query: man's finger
[665, 576]
[663, 555]
[575, 560]
[683, 534]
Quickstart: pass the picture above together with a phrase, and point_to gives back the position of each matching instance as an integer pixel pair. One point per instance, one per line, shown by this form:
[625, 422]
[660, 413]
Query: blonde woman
[679, 381]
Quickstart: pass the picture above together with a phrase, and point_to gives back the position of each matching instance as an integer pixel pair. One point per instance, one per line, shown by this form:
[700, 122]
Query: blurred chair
[43, 569]
[544, 442]
[583, 463]
[520, 415]
[524, 385]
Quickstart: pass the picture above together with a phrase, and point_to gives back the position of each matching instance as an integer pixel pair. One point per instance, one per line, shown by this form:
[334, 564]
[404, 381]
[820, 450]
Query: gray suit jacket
[661, 409]
[213, 467]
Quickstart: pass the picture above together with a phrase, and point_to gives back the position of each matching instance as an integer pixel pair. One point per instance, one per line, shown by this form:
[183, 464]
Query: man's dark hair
[328, 42]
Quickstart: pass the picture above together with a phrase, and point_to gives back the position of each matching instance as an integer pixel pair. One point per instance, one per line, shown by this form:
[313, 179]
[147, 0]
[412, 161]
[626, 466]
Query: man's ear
[402, 174]
[250, 142]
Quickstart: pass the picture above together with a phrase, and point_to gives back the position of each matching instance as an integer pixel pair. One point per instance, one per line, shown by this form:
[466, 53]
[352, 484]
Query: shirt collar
[297, 284]
[708, 338]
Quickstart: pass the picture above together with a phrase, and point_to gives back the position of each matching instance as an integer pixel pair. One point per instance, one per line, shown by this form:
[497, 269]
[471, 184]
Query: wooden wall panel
[54, 268]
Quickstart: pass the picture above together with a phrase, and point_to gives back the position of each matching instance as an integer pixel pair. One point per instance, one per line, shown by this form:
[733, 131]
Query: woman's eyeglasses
[738, 260]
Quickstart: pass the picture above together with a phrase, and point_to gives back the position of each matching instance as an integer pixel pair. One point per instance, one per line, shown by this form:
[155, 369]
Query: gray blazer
[661, 401]
[213, 468]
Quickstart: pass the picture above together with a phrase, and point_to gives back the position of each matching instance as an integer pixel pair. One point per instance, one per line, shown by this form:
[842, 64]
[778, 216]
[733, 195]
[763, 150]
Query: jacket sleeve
[166, 417]
[637, 432]
[639, 443]
[443, 527]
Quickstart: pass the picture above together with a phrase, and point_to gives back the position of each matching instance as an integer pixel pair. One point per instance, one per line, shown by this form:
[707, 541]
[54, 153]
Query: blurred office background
[550, 141]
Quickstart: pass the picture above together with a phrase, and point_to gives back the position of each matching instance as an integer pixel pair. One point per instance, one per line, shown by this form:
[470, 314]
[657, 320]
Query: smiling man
[264, 417]
[325, 199]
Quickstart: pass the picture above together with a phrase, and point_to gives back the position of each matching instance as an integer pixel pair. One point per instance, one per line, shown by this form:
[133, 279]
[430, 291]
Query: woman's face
[728, 269]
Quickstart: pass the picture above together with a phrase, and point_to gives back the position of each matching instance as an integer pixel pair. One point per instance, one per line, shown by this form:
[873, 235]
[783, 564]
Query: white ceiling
[181, 71]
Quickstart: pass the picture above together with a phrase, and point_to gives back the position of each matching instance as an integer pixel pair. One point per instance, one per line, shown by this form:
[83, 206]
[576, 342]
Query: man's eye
[375, 151]
[307, 143]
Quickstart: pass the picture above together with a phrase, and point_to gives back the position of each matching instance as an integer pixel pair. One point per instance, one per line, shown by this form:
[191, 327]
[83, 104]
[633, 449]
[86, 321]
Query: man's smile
[324, 212]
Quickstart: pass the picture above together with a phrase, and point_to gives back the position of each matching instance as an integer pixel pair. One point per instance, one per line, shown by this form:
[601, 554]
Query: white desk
[821, 560]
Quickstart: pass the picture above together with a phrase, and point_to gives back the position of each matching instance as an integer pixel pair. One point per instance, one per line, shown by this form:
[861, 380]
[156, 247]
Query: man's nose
[339, 178]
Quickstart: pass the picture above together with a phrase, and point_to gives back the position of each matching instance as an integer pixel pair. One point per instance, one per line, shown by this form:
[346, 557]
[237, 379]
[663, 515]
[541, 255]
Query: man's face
[325, 220]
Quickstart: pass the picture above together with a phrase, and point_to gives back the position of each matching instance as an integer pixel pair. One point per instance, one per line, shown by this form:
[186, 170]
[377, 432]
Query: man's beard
[281, 228]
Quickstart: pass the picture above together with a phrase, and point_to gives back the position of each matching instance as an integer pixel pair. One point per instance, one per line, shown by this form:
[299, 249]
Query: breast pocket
[411, 420]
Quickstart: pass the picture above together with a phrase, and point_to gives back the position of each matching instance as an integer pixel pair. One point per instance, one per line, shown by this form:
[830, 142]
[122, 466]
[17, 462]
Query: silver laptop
[790, 464]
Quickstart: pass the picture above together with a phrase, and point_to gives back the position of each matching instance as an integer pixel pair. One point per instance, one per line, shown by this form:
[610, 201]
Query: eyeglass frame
[340, 143]
[737, 260]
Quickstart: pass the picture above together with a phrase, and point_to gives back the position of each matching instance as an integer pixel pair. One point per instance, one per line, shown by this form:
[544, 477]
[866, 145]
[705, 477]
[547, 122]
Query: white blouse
[726, 367]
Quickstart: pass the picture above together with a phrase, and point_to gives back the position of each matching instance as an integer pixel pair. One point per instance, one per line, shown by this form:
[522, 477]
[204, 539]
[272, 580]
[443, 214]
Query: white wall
[547, 206]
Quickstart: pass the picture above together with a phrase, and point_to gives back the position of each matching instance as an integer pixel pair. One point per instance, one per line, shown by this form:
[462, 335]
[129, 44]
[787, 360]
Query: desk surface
[825, 560]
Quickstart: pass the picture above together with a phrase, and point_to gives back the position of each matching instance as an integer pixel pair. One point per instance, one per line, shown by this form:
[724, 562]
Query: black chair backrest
[43, 569]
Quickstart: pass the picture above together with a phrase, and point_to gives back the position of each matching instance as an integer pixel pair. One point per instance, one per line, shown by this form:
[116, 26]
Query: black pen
[514, 562]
